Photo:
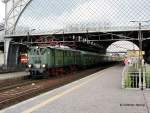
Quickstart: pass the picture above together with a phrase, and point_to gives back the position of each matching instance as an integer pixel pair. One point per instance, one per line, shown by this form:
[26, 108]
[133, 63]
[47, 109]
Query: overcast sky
[53, 14]
[2, 11]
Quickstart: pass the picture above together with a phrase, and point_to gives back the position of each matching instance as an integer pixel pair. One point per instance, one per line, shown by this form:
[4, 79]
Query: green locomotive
[46, 60]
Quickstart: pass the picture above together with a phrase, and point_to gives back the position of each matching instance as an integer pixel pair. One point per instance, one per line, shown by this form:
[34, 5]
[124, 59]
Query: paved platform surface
[13, 75]
[99, 93]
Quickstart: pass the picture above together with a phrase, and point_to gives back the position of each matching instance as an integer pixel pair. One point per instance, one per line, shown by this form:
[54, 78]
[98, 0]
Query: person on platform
[126, 61]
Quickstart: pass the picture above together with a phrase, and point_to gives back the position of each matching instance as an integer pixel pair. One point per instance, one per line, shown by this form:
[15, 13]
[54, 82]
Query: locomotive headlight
[43, 65]
[29, 65]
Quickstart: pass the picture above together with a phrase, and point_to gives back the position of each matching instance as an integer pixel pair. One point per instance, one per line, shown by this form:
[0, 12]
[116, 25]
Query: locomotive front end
[37, 61]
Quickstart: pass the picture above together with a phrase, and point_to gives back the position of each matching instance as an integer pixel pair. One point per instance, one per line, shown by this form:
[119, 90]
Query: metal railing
[147, 75]
[135, 77]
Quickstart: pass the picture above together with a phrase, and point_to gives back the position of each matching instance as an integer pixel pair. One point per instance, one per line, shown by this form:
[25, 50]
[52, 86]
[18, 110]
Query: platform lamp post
[140, 39]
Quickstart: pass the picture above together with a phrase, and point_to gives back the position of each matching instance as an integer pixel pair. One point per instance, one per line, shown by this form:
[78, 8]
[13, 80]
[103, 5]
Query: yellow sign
[135, 53]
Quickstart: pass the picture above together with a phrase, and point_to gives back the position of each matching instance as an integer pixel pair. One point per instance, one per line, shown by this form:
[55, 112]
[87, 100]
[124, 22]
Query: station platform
[13, 75]
[98, 93]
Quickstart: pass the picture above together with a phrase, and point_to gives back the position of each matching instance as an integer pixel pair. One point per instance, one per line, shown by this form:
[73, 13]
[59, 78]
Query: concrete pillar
[17, 54]
[13, 56]
[144, 77]
[140, 83]
[6, 51]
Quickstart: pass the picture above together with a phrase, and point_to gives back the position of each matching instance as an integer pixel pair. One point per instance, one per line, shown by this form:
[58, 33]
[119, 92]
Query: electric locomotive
[46, 60]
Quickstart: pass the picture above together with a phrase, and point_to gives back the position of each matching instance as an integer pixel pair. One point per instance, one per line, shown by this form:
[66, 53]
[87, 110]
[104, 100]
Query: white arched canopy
[13, 11]
[122, 46]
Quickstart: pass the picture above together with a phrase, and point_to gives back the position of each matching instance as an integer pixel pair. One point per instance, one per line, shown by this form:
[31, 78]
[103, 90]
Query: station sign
[135, 53]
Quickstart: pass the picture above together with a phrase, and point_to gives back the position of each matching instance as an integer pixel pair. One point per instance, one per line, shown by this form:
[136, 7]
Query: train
[23, 58]
[49, 60]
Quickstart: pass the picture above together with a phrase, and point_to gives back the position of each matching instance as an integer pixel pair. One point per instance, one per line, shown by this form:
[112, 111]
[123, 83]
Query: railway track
[18, 92]
[15, 94]
[23, 83]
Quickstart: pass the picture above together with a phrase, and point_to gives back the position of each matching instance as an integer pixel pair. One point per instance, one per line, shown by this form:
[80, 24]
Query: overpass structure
[86, 37]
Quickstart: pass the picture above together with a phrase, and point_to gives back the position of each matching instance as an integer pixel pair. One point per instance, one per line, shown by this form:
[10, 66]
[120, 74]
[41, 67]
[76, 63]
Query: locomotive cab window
[42, 50]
